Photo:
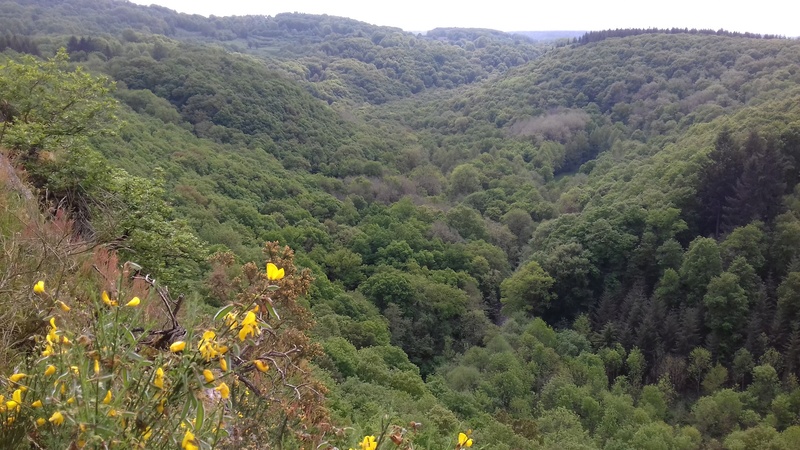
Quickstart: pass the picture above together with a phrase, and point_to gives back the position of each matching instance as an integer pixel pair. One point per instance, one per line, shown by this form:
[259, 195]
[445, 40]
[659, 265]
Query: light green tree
[701, 263]
[528, 289]
[699, 364]
[46, 105]
[726, 305]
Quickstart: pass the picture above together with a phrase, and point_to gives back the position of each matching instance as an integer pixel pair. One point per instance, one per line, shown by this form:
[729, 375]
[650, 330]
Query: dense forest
[560, 244]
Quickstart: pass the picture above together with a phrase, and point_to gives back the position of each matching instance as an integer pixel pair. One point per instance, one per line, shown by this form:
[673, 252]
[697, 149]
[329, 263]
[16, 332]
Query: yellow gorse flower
[261, 365]
[230, 320]
[208, 375]
[57, 418]
[37, 404]
[107, 398]
[16, 377]
[189, 442]
[464, 439]
[107, 300]
[51, 369]
[209, 348]
[158, 380]
[273, 273]
[223, 364]
[39, 287]
[134, 302]
[52, 336]
[64, 307]
[223, 390]
[368, 443]
[177, 346]
[249, 326]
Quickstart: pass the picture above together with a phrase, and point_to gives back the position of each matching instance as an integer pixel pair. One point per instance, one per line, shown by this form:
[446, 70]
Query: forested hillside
[586, 245]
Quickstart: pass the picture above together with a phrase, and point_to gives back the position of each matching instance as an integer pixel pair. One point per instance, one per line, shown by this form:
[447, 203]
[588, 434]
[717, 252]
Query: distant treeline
[597, 36]
[88, 45]
[20, 44]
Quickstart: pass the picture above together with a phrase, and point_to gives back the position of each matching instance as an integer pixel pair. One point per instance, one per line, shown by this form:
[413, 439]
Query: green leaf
[201, 414]
[272, 310]
[223, 312]
[191, 401]
[123, 372]
[131, 338]
[137, 357]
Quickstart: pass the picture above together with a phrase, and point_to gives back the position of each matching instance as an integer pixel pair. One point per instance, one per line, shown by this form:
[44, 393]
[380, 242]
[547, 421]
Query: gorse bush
[106, 372]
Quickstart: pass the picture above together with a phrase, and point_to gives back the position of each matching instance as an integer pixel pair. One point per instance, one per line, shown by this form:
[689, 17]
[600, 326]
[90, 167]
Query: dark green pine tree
[72, 45]
[792, 350]
[788, 312]
[717, 182]
[607, 310]
[758, 190]
[632, 312]
[758, 323]
[691, 329]
[607, 336]
[647, 331]
[789, 144]
[669, 331]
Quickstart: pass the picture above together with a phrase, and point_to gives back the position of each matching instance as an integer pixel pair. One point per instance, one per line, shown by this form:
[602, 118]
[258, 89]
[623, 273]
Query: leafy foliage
[596, 249]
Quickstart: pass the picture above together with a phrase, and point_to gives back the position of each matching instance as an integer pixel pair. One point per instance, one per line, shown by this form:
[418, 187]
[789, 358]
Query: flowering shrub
[107, 372]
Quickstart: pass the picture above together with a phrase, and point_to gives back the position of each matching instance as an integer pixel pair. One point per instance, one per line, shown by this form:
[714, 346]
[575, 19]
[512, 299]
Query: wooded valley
[587, 243]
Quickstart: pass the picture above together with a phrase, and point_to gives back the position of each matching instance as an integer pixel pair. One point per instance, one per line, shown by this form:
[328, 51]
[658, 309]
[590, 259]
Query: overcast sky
[763, 16]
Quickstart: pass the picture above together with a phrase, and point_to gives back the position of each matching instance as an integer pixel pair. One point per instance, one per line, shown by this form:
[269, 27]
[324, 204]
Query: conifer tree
[788, 313]
[691, 334]
[757, 192]
[792, 350]
[717, 181]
